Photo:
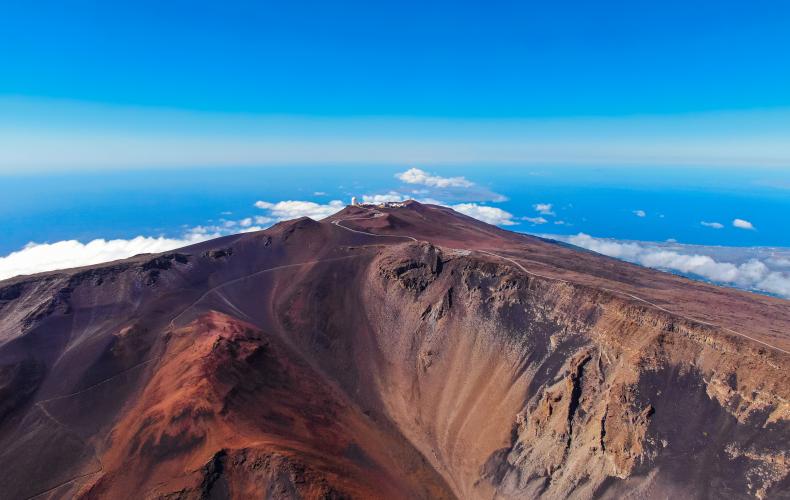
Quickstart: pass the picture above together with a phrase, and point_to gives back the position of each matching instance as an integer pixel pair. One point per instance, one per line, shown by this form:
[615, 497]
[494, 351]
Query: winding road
[172, 324]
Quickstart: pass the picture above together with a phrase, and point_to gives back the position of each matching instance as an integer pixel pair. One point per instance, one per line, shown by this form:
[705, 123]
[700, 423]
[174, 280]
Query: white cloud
[544, 208]
[432, 201]
[293, 209]
[39, 257]
[535, 220]
[752, 274]
[742, 224]
[714, 225]
[417, 176]
[319, 193]
[205, 232]
[491, 215]
[779, 261]
[640, 213]
[383, 198]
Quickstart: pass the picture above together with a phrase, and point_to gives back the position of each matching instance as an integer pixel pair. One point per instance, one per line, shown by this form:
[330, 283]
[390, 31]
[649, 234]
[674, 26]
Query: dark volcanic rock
[316, 360]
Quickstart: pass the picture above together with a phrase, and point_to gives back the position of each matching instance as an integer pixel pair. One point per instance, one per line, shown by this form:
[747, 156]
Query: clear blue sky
[494, 58]
[488, 63]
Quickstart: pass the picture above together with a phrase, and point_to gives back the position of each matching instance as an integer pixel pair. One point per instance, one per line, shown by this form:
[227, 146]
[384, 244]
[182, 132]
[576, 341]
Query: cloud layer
[39, 257]
[383, 198]
[491, 215]
[293, 209]
[753, 274]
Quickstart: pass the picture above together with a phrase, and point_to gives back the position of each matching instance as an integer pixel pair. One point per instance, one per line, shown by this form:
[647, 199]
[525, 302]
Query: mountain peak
[295, 359]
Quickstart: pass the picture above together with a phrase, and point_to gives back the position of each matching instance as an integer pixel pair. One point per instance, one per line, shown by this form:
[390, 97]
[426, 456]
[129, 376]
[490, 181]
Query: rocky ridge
[310, 361]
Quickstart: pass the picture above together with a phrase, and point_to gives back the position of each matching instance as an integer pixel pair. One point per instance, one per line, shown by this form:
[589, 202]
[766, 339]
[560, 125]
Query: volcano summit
[389, 352]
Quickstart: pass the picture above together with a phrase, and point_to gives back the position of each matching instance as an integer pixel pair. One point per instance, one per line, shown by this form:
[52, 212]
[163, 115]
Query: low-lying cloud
[384, 198]
[293, 209]
[417, 176]
[491, 215]
[40, 257]
[753, 274]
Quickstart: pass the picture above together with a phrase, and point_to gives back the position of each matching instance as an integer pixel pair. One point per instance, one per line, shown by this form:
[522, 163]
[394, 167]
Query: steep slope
[406, 352]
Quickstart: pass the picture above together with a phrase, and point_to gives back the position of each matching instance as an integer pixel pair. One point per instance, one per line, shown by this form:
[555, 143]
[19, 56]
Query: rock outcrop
[313, 361]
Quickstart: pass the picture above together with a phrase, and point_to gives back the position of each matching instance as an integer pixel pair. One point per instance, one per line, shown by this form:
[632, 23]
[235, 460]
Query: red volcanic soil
[404, 352]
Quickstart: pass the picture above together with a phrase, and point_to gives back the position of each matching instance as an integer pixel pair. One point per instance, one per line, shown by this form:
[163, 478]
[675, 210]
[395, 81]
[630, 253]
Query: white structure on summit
[386, 204]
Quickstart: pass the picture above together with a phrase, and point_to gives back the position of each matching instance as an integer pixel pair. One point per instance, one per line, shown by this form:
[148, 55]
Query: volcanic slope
[403, 352]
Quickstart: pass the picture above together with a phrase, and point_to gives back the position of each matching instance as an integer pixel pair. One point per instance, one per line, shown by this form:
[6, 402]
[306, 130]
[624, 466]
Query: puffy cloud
[777, 283]
[714, 225]
[742, 224]
[640, 213]
[779, 261]
[752, 274]
[293, 209]
[491, 215]
[383, 198]
[417, 176]
[535, 220]
[544, 208]
[39, 257]
[319, 193]
[206, 232]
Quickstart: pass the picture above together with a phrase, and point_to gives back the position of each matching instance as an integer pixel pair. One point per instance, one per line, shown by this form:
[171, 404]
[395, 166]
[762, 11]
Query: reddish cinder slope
[406, 352]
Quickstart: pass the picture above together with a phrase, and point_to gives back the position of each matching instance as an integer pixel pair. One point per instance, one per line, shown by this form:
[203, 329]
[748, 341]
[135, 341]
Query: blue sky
[128, 84]
[459, 59]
